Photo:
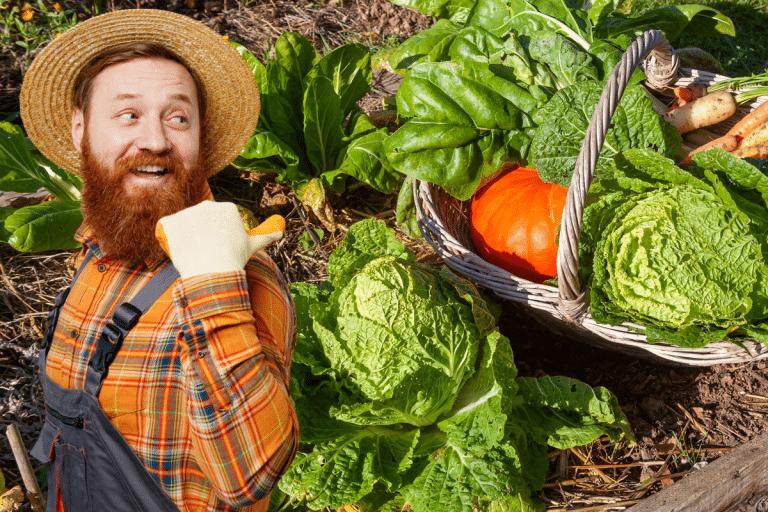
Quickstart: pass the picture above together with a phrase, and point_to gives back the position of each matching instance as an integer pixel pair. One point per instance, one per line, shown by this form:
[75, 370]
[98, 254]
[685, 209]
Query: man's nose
[154, 138]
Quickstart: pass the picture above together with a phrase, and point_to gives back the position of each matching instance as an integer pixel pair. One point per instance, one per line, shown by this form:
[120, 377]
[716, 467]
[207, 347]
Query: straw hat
[228, 87]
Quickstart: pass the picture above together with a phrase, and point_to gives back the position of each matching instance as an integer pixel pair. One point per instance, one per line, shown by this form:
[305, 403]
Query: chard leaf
[359, 124]
[635, 124]
[322, 124]
[264, 152]
[258, 69]
[607, 55]
[17, 169]
[405, 210]
[24, 169]
[454, 140]
[699, 21]
[4, 214]
[281, 111]
[364, 160]
[490, 15]
[518, 59]
[569, 63]
[475, 43]
[43, 227]
[599, 10]
[559, 16]
[419, 47]
[348, 68]
[296, 54]
[456, 10]
[564, 412]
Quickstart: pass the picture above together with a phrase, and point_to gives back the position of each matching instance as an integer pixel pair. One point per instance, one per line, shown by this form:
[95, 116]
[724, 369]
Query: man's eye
[128, 115]
[179, 119]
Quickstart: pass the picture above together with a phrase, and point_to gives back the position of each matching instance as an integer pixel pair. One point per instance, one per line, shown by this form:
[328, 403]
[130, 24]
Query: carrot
[759, 150]
[749, 122]
[700, 137]
[726, 142]
[705, 111]
[759, 134]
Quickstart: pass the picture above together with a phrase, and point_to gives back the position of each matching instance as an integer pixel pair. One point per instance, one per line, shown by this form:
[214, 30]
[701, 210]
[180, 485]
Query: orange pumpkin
[514, 222]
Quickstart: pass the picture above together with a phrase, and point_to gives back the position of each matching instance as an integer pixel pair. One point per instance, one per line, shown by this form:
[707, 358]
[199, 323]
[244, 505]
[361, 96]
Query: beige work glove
[210, 237]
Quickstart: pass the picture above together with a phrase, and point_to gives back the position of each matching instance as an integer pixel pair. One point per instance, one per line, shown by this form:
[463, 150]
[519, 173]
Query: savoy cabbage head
[681, 253]
[406, 392]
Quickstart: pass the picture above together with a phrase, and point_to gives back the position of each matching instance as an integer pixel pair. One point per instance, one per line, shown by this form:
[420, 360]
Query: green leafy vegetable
[455, 139]
[568, 63]
[407, 393]
[563, 126]
[300, 134]
[51, 225]
[44, 227]
[682, 255]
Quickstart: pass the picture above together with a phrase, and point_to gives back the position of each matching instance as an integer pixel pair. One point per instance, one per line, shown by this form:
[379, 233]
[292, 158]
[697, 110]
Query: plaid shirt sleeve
[237, 335]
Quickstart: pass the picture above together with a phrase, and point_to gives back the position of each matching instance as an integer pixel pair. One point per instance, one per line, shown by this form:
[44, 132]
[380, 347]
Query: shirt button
[102, 267]
[200, 354]
[183, 302]
[73, 333]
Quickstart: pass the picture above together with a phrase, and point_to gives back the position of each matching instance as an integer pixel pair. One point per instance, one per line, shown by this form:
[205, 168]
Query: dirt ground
[682, 418]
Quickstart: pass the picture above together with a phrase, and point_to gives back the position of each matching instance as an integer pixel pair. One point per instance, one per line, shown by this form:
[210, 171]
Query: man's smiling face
[139, 137]
[142, 107]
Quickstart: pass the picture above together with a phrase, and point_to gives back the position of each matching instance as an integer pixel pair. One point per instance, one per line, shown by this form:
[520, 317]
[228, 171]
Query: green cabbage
[681, 253]
[406, 391]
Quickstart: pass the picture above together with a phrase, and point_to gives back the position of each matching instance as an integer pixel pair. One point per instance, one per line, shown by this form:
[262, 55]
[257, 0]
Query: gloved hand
[210, 237]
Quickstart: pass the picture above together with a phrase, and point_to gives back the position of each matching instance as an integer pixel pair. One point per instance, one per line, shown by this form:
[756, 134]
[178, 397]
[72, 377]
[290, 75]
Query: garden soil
[682, 417]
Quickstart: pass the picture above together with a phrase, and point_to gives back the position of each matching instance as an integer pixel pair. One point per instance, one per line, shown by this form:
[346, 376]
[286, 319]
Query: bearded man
[166, 363]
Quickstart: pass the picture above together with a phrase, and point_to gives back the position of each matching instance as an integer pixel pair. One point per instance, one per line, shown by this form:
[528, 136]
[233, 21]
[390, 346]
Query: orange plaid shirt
[199, 387]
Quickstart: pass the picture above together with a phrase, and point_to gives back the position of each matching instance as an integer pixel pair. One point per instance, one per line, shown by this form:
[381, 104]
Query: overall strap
[124, 318]
[53, 314]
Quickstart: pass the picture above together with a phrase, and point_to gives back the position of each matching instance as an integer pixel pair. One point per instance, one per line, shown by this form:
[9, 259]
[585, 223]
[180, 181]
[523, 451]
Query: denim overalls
[87, 458]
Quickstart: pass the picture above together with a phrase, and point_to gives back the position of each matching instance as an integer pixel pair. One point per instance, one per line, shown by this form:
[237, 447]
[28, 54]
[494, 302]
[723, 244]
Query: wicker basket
[444, 222]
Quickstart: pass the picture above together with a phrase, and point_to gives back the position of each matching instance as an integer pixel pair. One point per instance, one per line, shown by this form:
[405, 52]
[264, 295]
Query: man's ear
[78, 128]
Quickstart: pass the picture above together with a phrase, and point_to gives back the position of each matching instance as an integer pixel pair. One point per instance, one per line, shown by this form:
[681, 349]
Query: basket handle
[572, 296]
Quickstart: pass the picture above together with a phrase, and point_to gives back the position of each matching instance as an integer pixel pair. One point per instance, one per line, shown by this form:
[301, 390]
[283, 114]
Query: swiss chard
[301, 135]
[43, 227]
[455, 140]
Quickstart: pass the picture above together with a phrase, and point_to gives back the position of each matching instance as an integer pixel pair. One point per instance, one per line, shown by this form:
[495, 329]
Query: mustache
[132, 163]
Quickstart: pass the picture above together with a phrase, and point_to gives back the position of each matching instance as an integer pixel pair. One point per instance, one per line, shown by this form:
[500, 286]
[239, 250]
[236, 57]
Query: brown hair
[81, 94]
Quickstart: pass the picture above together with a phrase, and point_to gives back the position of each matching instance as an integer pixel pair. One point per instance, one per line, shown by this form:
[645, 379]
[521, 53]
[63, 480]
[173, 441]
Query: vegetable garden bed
[682, 418]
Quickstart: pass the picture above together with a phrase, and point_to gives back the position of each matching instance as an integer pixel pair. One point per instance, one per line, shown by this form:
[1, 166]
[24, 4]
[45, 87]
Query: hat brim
[229, 89]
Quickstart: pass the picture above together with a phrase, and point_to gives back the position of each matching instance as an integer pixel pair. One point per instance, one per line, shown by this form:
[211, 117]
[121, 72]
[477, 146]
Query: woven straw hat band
[228, 87]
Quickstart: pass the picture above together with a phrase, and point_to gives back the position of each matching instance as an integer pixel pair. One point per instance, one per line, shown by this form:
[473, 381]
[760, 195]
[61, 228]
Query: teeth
[151, 169]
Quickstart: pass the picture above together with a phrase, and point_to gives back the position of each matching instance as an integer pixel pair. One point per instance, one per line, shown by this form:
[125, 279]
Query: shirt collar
[87, 237]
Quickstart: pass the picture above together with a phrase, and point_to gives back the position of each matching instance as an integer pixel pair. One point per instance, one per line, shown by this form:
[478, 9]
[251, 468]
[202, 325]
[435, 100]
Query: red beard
[125, 226]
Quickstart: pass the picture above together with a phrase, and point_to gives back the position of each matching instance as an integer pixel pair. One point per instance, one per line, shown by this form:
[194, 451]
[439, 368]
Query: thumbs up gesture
[210, 237]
